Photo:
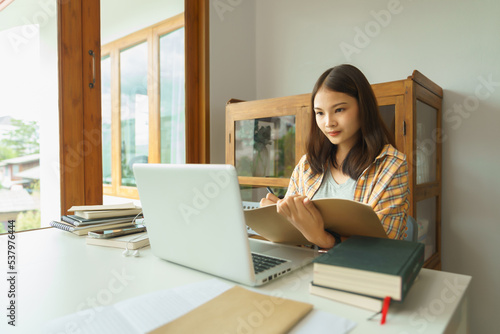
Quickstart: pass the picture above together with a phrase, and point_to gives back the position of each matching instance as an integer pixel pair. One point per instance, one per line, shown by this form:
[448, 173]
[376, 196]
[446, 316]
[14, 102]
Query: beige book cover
[107, 213]
[239, 310]
[342, 216]
[130, 241]
[103, 207]
[365, 302]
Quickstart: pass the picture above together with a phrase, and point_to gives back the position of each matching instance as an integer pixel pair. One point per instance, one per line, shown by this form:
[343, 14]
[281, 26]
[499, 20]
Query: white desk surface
[59, 274]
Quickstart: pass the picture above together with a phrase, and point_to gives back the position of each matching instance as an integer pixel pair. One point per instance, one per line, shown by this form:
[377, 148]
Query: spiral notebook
[87, 228]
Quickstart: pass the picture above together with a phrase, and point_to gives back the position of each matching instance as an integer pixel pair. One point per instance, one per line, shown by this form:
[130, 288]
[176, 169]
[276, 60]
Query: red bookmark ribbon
[385, 309]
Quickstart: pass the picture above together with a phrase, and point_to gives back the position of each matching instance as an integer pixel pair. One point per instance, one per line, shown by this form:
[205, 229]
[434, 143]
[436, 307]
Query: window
[78, 158]
[29, 143]
[143, 103]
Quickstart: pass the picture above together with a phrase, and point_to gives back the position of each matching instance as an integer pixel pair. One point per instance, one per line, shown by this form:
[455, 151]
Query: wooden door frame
[80, 104]
[196, 16]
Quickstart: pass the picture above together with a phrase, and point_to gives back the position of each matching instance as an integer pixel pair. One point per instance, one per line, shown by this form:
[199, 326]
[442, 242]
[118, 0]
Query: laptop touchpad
[258, 246]
[276, 250]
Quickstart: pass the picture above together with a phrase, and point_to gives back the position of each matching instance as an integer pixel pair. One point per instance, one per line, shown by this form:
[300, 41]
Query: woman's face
[337, 116]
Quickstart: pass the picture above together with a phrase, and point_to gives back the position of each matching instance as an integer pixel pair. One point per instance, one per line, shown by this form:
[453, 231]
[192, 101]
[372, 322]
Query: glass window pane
[265, 147]
[106, 119]
[172, 106]
[29, 115]
[388, 114]
[134, 110]
[426, 145]
[426, 220]
[256, 193]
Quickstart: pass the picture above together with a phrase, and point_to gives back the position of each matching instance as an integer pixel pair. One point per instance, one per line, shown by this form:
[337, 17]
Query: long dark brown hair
[373, 137]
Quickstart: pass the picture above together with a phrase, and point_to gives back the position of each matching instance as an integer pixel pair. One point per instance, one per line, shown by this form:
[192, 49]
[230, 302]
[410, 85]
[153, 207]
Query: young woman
[350, 154]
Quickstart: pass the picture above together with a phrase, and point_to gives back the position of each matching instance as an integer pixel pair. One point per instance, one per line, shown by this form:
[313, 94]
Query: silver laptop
[194, 217]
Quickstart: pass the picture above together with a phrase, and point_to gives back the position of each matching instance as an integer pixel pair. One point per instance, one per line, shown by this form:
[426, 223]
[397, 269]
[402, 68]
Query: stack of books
[87, 218]
[363, 271]
[129, 241]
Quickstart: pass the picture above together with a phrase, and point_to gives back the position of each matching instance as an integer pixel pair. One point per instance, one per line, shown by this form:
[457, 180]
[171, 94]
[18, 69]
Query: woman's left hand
[269, 200]
[302, 213]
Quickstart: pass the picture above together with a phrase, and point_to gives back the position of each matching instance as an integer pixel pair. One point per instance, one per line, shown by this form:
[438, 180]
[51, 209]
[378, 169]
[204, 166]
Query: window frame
[150, 35]
[80, 105]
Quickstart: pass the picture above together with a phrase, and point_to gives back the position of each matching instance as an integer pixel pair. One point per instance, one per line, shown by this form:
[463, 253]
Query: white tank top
[331, 189]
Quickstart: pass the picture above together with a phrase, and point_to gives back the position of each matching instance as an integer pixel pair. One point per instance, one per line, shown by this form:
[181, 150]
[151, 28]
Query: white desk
[59, 274]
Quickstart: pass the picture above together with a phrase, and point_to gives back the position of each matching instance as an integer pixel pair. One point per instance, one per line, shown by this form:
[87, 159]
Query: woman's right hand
[303, 214]
[269, 200]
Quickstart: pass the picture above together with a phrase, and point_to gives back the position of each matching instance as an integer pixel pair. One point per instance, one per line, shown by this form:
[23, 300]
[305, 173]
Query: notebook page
[316, 322]
[147, 312]
[106, 320]
[150, 311]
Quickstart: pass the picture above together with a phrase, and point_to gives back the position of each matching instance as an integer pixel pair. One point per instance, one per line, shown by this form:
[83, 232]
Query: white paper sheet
[317, 321]
[144, 313]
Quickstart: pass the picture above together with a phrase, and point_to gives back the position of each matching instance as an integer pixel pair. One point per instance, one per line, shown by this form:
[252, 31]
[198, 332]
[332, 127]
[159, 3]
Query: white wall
[454, 43]
[232, 64]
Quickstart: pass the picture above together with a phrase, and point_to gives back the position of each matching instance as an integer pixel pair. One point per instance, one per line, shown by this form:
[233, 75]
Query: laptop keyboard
[262, 262]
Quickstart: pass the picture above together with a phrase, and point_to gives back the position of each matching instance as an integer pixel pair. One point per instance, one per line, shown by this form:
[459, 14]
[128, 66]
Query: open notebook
[145, 313]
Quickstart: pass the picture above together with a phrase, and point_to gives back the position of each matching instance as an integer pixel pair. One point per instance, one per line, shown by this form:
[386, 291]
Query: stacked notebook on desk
[105, 211]
[362, 271]
[130, 241]
[89, 218]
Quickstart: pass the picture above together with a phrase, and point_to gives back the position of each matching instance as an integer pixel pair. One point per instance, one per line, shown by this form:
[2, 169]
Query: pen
[269, 190]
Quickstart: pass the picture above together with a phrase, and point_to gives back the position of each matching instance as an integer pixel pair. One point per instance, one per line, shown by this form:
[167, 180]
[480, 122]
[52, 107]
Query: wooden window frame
[197, 81]
[80, 105]
[151, 35]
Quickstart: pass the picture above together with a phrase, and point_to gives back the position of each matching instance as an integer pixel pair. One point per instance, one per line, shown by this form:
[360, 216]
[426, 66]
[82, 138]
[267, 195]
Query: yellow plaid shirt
[383, 186]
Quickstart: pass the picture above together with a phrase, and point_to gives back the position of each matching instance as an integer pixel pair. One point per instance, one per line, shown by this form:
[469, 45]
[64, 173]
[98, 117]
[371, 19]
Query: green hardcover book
[371, 266]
